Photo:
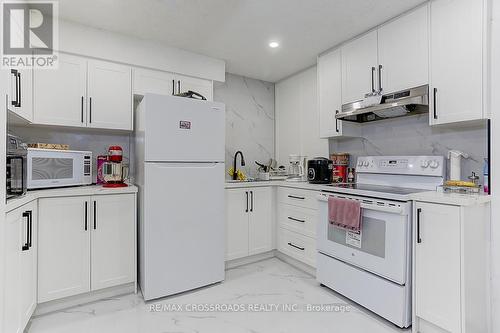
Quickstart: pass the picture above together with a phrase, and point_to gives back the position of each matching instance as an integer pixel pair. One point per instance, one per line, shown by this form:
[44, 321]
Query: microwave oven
[58, 168]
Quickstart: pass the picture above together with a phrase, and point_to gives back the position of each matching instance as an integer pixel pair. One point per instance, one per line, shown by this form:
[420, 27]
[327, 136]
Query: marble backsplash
[249, 119]
[414, 136]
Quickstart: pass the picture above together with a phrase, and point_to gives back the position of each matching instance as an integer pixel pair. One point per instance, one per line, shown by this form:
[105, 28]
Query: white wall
[297, 118]
[495, 141]
[83, 40]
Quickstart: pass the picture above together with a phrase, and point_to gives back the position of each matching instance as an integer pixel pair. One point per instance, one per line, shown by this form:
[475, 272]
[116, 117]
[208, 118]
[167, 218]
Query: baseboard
[249, 260]
[68, 302]
[295, 263]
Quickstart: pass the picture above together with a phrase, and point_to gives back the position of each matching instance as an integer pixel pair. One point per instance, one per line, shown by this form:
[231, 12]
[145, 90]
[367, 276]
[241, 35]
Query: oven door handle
[385, 209]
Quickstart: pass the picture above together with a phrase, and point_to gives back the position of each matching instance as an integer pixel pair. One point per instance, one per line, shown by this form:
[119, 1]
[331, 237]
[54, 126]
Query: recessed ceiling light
[274, 44]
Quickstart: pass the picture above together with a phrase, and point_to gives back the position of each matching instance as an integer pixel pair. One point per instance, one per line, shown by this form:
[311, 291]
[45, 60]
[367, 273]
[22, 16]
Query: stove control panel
[402, 165]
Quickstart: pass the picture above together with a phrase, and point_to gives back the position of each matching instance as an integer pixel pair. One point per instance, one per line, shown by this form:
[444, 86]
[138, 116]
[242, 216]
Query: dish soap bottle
[486, 173]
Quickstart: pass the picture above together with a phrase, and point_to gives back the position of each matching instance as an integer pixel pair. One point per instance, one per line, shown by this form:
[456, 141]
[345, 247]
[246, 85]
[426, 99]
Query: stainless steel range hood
[400, 104]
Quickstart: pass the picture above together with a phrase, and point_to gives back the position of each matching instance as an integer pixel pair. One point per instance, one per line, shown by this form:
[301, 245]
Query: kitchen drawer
[298, 197]
[298, 219]
[297, 246]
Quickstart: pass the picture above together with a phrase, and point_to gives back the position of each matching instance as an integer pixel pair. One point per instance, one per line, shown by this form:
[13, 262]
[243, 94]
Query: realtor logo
[29, 34]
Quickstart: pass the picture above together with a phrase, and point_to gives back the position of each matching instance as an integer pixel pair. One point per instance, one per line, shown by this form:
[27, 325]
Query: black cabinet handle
[26, 245]
[90, 110]
[419, 211]
[246, 210]
[373, 79]
[95, 215]
[20, 98]
[179, 86]
[30, 213]
[296, 220]
[82, 108]
[297, 247]
[251, 200]
[435, 100]
[380, 78]
[296, 197]
[86, 216]
[336, 121]
[15, 72]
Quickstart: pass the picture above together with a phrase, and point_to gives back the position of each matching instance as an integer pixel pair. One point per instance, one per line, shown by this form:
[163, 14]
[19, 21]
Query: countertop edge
[65, 192]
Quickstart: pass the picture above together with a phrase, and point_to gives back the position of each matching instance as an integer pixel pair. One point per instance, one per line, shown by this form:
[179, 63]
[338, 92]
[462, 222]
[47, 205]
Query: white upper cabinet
[20, 93]
[60, 94]
[457, 65]
[109, 95]
[154, 82]
[359, 67]
[403, 52]
[84, 93]
[330, 97]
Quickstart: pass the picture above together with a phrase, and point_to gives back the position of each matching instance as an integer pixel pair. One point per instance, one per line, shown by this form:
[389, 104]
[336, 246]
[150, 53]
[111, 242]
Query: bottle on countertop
[486, 173]
[351, 176]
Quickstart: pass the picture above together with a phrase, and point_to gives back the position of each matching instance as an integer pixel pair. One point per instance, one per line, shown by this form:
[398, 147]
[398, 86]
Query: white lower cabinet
[297, 218]
[113, 239]
[450, 268]
[249, 228]
[20, 268]
[85, 243]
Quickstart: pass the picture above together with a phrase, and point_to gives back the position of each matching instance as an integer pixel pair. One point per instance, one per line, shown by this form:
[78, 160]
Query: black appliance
[16, 167]
[319, 170]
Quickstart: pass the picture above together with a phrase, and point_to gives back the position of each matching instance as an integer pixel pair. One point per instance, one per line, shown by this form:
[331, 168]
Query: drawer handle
[297, 247]
[296, 197]
[297, 220]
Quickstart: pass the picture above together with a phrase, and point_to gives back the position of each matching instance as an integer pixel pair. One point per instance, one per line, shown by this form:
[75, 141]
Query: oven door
[54, 168]
[381, 248]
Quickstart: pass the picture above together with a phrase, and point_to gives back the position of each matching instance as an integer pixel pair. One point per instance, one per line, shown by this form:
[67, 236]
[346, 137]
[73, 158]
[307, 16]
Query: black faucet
[235, 175]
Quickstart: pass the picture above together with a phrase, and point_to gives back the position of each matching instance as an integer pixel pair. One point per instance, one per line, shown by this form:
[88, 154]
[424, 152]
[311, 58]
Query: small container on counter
[340, 165]
[351, 175]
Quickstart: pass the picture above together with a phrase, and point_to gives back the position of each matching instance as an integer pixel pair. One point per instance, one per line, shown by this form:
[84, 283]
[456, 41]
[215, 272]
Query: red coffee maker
[114, 171]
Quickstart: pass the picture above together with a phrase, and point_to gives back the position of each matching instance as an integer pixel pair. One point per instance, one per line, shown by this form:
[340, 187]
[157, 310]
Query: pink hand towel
[345, 213]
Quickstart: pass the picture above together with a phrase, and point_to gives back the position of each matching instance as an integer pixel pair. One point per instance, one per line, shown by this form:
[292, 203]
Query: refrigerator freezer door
[183, 129]
[183, 228]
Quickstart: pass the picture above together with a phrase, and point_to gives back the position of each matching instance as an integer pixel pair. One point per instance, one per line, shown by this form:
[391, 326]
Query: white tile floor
[267, 282]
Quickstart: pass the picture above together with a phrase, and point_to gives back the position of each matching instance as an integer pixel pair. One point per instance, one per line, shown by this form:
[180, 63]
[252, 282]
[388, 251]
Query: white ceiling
[238, 31]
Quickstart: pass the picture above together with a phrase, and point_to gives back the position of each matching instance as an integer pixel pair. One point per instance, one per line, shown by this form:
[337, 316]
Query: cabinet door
[113, 240]
[59, 94]
[63, 247]
[109, 95]
[201, 86]
[403, 51]
[28, 279]
[330, 93]
[20, 97]
[456, 61]
[359, 64]
[237, 208]
[15, 239]
[155, 82]
[437, 265]
[260, 228]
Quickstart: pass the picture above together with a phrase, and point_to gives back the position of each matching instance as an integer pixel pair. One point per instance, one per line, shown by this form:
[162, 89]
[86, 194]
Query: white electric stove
[373, 268]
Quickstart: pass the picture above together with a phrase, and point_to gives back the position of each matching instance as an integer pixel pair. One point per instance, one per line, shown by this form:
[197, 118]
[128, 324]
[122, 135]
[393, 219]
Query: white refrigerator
[180, 148]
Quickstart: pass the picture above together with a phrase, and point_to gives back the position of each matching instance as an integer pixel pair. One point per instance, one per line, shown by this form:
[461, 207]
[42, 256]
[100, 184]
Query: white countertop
[283, 183]
[455, 199]
[428, 196]
[65, 192]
